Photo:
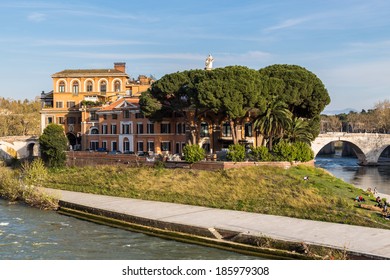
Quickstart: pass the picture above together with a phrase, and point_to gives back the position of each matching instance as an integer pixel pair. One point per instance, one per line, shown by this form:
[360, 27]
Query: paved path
[363, 240]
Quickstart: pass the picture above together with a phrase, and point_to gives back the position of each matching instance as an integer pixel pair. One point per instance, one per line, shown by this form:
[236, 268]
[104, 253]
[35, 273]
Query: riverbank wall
[95, 158]
[266, 236]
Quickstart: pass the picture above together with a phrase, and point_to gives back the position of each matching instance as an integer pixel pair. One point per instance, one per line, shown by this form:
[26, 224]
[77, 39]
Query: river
[28, 233]
[363, 177]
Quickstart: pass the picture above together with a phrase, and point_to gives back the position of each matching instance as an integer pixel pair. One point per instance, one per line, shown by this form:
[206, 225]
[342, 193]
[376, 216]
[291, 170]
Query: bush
[34, 173]
[261, 153]
[53, 144]
[236, 153]
[193, 153]
[303, 152]
[284, 151]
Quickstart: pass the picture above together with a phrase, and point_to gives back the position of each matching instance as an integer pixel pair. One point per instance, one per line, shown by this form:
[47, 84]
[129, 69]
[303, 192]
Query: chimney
[120, 66]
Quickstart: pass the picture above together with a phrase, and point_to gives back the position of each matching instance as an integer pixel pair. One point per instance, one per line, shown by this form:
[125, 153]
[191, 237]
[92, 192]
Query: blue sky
[345, 43]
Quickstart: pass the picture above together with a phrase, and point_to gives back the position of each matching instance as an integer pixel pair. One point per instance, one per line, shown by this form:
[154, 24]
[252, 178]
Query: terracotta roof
[132, 103]
[87, 72]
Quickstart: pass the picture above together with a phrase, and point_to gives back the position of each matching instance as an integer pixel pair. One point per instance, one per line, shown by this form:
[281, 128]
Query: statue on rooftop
[209, 62]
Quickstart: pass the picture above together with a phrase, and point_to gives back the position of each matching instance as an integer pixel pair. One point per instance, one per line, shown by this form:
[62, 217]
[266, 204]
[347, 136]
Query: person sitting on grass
[359, 198]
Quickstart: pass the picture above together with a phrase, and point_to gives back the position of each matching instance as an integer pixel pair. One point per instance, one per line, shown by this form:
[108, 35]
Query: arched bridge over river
[18, 147]
[367, 146]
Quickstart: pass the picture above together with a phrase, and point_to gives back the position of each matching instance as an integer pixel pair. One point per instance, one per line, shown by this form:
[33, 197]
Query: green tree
[302, 91]
[299, 130]
[274, 121]
[53, 144]
[232, 92]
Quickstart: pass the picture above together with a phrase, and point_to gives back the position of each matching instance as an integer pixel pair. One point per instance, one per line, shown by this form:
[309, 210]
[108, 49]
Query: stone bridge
[18, 147]
[367, 146]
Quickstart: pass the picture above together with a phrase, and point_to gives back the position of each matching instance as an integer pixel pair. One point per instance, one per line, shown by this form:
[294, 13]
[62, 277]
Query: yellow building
[76, 89]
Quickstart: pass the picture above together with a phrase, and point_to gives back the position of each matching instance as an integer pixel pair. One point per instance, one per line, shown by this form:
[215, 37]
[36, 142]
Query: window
[139, 115]
[178, 128]
[60, 120]
[150, 128]
[126, 114]
[71, 120]
[49, 119]
[117, 86]
[140, 128]
[248, 129]
[104, 117]
[150, 146]
[114, 146]
[177, 151]
[94, 130]
[61, 86]
[204, 129]
[226, 130]
[104, 145]
[70, 104]
[59, 104]
[104, 129]
[113, 129]
[93, 145]
[126, 128]
[93, 116]
[89, 86]
[165, 146]
[75, 87]
[140, 146]
[165, 128]
[126, 145]
[114, 116]
[103, 87]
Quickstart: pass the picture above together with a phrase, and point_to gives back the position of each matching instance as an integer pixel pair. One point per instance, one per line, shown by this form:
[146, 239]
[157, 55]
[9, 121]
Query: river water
[361, 176]
[28, 233]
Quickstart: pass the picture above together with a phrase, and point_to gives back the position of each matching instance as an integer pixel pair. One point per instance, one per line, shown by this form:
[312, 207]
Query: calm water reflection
[361, 176]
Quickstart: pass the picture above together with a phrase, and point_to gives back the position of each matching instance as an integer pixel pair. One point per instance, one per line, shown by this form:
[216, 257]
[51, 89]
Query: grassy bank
[268, 190]
[24, 185]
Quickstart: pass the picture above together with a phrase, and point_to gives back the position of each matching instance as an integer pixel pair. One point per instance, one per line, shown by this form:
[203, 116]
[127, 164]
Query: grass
[269, 190]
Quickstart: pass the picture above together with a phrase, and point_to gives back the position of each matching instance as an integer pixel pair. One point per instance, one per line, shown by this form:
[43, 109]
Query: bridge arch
[355, 148]
[8, 151]
[367, 146]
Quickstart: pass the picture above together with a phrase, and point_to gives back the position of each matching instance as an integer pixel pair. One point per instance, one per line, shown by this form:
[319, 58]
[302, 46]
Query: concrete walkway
[362, 240]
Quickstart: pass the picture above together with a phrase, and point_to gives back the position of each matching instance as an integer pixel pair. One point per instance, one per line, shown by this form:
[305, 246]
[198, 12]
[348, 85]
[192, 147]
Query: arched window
[75, 87]
[103, 87]
[89, 86]
[61, 86]
[117, 86]
[204, 129]
[94, 130]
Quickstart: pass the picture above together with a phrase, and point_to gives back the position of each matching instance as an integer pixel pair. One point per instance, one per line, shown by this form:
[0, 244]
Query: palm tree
[300, 131]
[274, 121]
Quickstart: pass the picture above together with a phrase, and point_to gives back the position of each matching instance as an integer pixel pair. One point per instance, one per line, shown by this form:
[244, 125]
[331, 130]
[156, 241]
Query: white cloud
[36, 17]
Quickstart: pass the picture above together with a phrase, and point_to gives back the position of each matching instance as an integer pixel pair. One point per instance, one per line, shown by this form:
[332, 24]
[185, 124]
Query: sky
[345, 43]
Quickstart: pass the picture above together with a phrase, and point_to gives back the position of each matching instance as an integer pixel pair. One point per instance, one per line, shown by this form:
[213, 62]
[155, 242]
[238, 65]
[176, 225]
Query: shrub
[53, 144]
[236, 153]
[284, 151]
[193, 153]
[261, 153]
[303, 152]
[34, 173]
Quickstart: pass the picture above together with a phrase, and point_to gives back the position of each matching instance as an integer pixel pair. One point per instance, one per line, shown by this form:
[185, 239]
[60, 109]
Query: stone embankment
[268, 236]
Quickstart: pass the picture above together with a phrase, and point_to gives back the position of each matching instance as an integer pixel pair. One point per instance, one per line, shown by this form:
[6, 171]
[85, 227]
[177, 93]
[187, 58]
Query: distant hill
[340, 111]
